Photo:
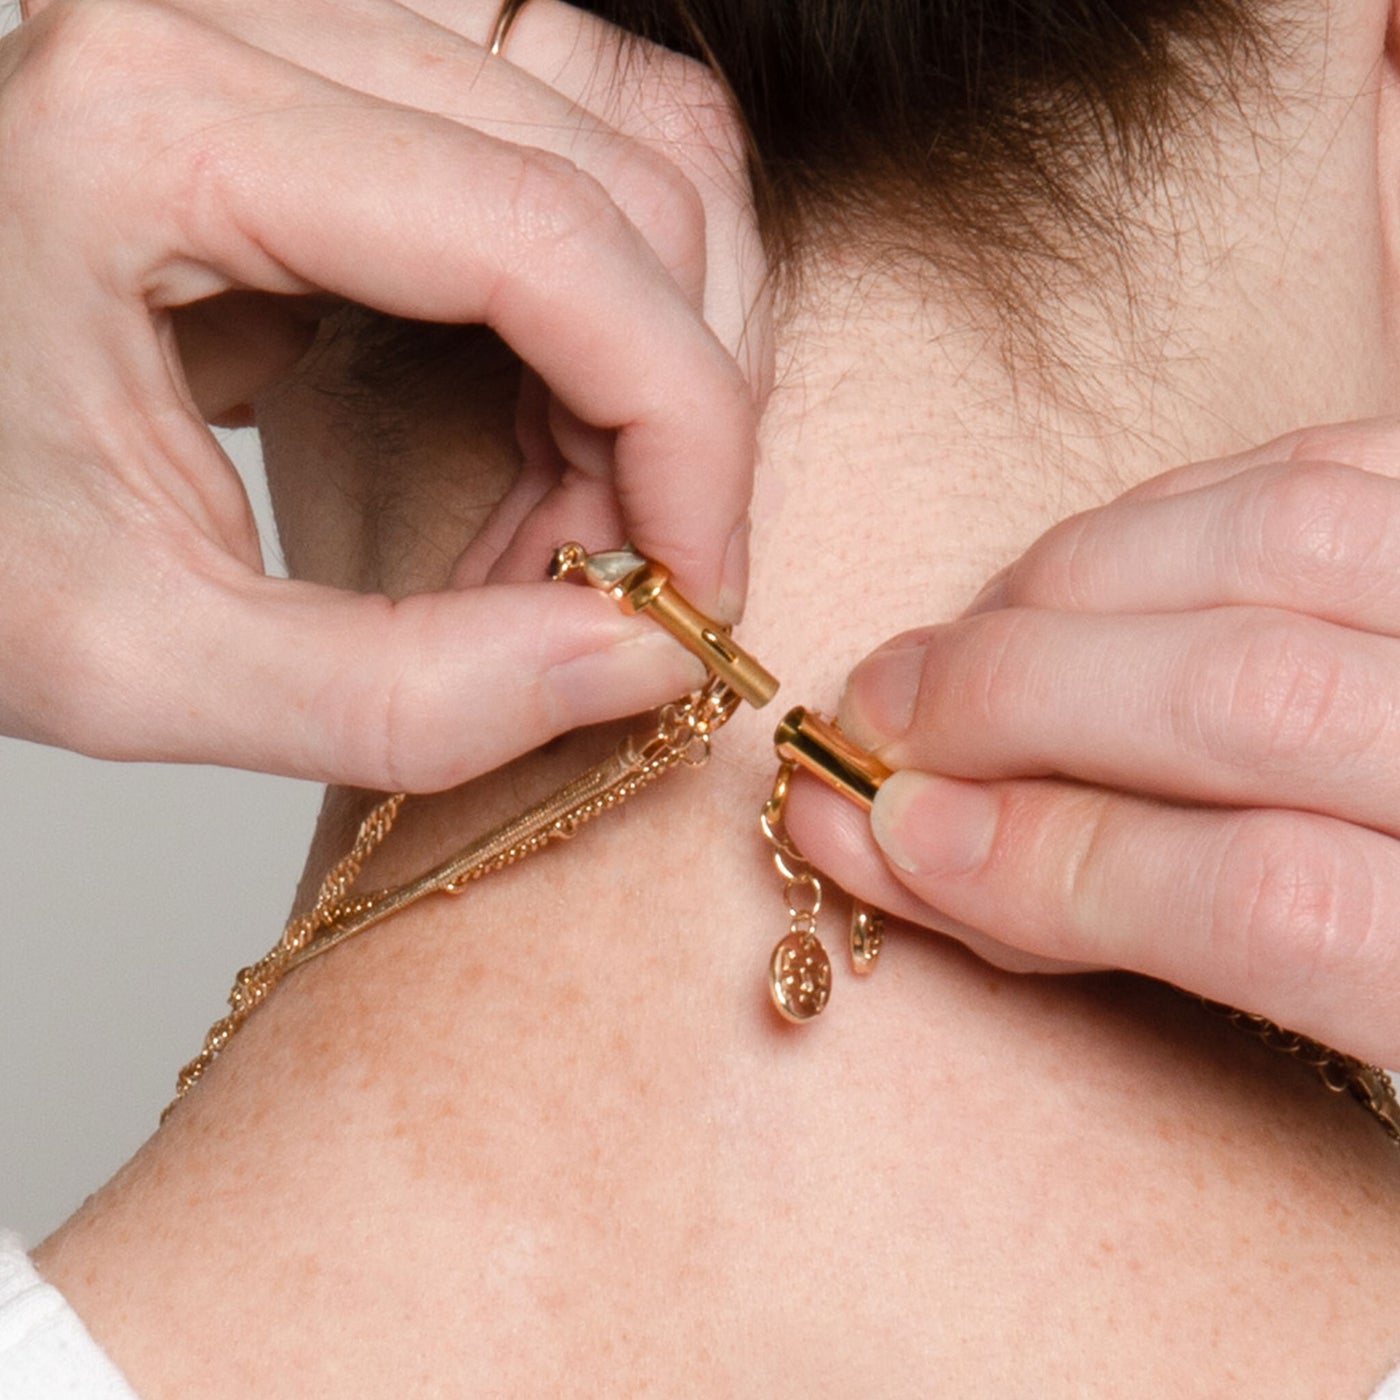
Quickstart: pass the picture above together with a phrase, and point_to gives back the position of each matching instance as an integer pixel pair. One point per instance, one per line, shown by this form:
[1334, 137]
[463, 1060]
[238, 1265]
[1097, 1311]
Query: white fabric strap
[45, 1351]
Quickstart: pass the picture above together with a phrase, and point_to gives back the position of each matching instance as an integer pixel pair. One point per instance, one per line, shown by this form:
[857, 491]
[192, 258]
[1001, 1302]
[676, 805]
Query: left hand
[1166, 739]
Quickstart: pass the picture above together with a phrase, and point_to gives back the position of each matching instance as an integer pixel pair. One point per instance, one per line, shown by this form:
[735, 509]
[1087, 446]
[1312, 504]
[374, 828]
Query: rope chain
[681, 738]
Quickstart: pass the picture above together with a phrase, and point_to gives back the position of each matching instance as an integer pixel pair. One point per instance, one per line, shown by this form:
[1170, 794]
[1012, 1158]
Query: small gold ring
[505, 22]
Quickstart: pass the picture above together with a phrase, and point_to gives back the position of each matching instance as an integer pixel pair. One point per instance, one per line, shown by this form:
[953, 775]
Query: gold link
[867, 934]
[799, 969]
[817, 745]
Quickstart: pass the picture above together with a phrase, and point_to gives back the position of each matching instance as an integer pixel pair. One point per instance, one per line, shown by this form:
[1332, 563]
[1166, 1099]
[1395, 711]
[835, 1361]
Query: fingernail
[878, 705]
[993, 595]
[734, 579]
[929, 825]
[637, 674]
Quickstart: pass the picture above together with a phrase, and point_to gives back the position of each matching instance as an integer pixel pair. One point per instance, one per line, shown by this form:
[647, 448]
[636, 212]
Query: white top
[45, 1351]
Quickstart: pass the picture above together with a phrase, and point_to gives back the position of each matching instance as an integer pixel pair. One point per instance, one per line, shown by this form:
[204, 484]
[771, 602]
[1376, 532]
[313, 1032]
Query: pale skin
[1160, 737]
[1230, 627]
[550, 1139]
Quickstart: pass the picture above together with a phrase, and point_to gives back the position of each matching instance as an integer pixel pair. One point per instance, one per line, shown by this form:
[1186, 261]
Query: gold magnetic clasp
[817, 745]
[799, 971]
[638, 585]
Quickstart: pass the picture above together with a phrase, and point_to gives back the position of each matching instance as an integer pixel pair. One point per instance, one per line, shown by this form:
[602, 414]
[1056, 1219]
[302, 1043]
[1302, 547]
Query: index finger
[1309, 522]
[1371, 445]
[675, 106]
[565, 68]
[286, 182]
[526, 243]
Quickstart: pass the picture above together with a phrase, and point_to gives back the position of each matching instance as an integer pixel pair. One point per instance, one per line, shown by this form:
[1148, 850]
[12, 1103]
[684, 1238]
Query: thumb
[419, 694]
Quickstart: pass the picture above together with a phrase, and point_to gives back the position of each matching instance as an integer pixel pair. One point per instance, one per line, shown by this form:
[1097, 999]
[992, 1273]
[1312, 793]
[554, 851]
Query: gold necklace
[679, 737]
[799, 973]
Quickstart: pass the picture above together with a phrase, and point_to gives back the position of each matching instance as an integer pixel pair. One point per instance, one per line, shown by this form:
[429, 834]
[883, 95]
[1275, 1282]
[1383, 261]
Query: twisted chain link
[253, 983]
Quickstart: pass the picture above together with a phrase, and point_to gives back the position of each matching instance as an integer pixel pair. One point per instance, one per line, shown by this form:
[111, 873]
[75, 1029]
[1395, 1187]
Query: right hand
[202, 176]
[1164, 739]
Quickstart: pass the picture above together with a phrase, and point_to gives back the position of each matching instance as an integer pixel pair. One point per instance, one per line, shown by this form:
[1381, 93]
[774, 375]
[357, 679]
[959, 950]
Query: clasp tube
[638, 585]
[817, 745]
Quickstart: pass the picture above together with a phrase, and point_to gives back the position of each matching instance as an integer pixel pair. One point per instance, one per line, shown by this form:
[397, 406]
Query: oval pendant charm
[799, 977]
[867, 934]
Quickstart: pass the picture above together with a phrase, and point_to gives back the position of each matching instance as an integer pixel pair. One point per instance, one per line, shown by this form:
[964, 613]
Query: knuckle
[1370, 445]
[401, 739]
[1065, 567]
[555, 206]
[692, 152]
[663, 203]
[702, 122]
[1090, 865]
[1321, 526]
[42, 84]
[90, 78]
[995, 680]
[389, 725]
[681, 105]
[76, 52]
[1270, 692]
[706, 113]
[1293, 903]
[388, 731]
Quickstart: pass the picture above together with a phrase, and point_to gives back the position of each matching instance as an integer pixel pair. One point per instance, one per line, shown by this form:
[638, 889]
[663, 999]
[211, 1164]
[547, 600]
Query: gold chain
[680, 737]
[1369, 1085]
[799, 972]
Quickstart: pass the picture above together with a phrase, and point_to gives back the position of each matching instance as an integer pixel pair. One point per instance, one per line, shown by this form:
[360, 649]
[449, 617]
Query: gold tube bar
[638, 585]
[714, 646]
[817, 745]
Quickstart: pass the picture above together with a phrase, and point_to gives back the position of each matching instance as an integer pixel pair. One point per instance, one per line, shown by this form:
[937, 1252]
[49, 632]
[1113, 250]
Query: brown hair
[999, 144]
[978, 118]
